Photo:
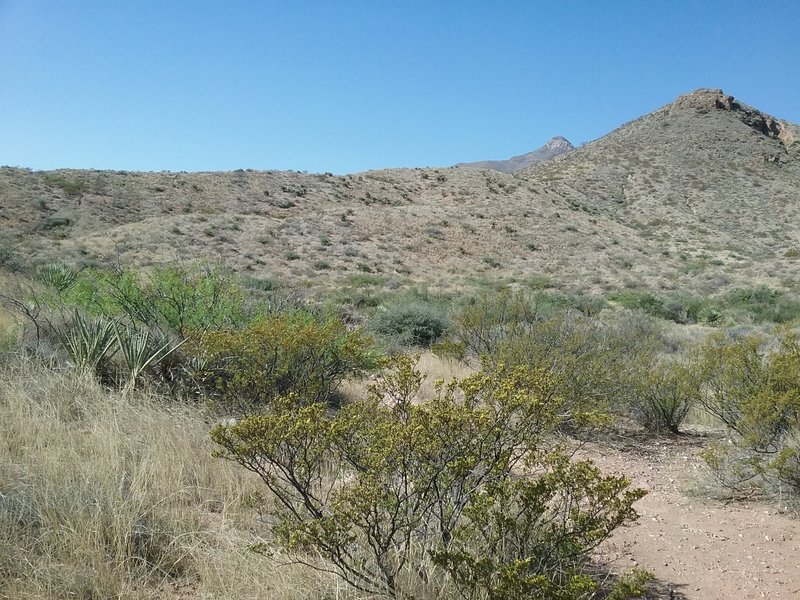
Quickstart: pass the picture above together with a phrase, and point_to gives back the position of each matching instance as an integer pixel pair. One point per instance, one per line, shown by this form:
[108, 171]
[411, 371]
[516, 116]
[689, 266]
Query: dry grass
[438, 369]
[104, 495]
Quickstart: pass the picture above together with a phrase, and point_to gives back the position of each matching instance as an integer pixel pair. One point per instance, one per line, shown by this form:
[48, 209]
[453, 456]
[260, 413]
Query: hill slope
[701, 195]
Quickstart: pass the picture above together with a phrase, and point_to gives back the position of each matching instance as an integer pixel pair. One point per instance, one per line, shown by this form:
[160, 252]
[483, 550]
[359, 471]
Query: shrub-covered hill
[700, 195]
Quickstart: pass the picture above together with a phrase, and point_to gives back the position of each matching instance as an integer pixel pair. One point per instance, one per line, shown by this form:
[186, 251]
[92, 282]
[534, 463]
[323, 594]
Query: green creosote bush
[466, 491]
[763, 305]
[279, 354]
[663, 393]
[119, 325]
[680, 308]
[177, 298]
[589, 360]
[752, 385]
[482, 323]
[647, 302]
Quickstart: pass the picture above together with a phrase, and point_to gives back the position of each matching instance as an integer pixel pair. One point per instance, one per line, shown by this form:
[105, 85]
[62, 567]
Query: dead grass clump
[110, 495]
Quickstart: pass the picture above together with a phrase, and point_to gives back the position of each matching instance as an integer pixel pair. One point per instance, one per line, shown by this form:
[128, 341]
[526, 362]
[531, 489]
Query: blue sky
[350, 86]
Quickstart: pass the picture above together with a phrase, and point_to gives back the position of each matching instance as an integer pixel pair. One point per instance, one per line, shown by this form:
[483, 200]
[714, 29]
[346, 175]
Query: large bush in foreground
[466, 490]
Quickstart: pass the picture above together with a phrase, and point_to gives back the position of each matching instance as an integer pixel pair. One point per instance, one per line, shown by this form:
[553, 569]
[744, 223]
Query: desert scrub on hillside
[182, 298]
[121, 325]
[748, 305]
[465, 494]
[414, 318]
[662, 392]
[763, 305]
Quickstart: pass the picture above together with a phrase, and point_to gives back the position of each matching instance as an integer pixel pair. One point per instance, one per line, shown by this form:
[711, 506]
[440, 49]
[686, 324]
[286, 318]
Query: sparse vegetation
[754, 390]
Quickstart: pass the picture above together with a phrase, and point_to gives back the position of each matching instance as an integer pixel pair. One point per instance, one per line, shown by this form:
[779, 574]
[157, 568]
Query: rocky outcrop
[704, 100]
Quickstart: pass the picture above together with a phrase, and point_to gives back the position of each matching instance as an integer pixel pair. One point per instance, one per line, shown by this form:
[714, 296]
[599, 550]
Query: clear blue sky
[349, 86]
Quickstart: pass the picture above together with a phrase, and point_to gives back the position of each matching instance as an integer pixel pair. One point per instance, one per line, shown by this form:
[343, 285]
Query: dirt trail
[699, 548]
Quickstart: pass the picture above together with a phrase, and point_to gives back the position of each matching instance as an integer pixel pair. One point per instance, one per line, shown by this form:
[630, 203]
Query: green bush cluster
[747, 305]
[763, 305]
[122, 326]
[591, 362]
[177, 298]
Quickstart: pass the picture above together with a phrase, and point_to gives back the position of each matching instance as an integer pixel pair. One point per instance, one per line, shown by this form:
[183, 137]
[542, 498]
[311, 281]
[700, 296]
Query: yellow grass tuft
[110, 495]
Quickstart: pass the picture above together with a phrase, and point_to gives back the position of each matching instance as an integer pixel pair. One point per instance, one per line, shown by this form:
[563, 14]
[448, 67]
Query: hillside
[701, 195]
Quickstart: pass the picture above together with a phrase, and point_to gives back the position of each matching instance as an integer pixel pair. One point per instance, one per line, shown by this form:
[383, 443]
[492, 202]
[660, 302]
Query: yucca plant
[141, 348]
[89, 342]
[56, 275]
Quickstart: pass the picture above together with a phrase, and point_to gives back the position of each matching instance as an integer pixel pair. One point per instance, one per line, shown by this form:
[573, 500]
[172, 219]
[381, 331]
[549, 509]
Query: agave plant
[89, 342]
[141, 348]
[56, 275]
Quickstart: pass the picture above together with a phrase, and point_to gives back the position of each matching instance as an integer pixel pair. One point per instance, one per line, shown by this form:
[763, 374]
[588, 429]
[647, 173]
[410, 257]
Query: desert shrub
[686, 308]
[762, 305]
[263, 284]
[587, 358]
[119, 326]
[465, 491]
[482, 323]
[733, 373]
[647, 302]
[589, 361]
[176, 298]
[276, 355]
[73, 188]
[410, 324]
[93, 343]
[10, 259]
[58, 276]
[662, 394]
[753, 387]
[552, 302]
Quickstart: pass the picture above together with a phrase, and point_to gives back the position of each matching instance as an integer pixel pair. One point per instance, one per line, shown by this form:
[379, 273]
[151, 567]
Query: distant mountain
[555, 147]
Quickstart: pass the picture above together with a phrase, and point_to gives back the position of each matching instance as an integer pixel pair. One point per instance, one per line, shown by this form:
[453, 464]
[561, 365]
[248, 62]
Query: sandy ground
[698, 547]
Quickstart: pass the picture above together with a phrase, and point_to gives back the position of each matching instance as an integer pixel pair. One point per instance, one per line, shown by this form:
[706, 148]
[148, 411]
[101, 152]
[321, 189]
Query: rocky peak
[558, 145]
[706, 100]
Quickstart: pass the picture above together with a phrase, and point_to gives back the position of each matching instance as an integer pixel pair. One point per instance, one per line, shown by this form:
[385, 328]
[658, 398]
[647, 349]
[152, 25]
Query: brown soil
[699, 547]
